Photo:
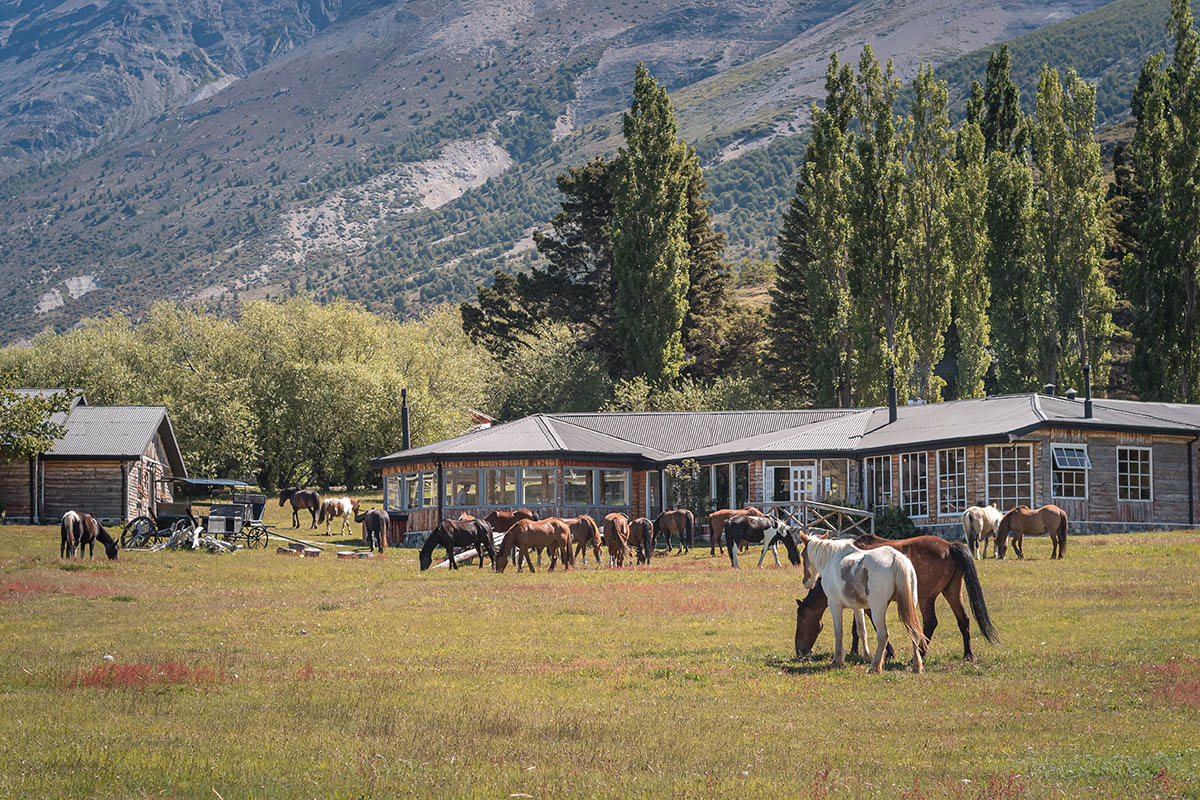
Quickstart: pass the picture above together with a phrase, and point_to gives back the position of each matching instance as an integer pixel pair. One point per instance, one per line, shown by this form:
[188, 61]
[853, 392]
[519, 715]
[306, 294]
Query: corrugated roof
[840, 434]
[58, 417]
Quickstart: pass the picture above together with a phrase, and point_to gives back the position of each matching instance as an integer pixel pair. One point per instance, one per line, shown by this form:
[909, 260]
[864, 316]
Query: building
[108, 464]
[1112, 465]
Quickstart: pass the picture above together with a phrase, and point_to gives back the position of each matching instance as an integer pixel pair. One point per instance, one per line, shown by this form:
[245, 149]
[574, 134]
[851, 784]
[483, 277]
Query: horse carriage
[238, 521]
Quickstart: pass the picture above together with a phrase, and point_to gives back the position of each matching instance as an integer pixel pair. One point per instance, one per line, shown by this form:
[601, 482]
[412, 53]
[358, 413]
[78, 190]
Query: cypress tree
[650, 247]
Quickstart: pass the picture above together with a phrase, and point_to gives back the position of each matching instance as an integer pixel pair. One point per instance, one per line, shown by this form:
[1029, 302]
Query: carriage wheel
[138, 532]
[264, 537]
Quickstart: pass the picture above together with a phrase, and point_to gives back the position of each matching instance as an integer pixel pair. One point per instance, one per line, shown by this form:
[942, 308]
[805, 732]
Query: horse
[769, 531]
[552, 534]
[942, 568]
[641, 539]
[717, 520]
[452, 533]
[861, 579]
[375, 525]
[342, 507]
[501, 521]
[616, 538]
[1023, 520]
[301, 498]
[584, 533]
[979, 523]
[79, 529]
[680, 521]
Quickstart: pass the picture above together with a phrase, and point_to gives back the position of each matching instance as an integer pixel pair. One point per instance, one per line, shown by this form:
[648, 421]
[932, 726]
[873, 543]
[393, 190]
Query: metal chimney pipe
[1049, 389]
[1087, 391]
[405, 441]
[892, 412]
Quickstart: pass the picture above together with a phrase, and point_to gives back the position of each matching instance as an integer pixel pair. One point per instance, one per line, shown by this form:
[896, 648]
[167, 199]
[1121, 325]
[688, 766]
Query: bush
[893, 522]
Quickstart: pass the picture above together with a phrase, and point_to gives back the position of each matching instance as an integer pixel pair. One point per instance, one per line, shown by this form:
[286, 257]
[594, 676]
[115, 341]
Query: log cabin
[108, 463]
[1113, 465]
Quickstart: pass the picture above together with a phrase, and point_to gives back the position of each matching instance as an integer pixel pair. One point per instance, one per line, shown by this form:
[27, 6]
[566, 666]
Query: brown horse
[1023, 521]
[452, 533]
[584, 533]
[301, 498]
[552, 534]
[680, 521]
[942, 568]
[79, 529]
[501, 521]
[334, 507]
[717, 520]
[641, 539]
[616, 538]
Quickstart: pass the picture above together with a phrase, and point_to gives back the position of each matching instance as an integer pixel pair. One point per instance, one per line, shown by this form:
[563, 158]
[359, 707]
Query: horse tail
[691, 518]
[906, 604]
[966, 565]
[1062, 534]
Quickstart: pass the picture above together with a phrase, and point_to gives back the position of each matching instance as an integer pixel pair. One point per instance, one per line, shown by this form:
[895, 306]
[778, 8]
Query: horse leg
[928, 618]
[1019, 546]
[881, 639]
[450, 555]
[529, 561]
[295, 518]
[953, 595]
[860, 629]
[839, 653]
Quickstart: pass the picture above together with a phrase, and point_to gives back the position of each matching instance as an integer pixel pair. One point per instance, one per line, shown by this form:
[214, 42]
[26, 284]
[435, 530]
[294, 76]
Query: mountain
[391, 152]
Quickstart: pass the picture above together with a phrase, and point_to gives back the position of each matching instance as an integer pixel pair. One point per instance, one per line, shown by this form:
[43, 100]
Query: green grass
[254, 675]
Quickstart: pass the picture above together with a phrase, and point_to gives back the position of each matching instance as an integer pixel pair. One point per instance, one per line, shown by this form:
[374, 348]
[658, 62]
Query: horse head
[284, 494]
[811, 574]
[810, 619]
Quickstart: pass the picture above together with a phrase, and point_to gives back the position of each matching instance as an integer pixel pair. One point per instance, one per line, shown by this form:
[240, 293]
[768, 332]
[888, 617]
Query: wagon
[238, 521]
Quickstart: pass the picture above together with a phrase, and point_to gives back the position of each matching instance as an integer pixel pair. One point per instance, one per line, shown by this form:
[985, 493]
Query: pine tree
[650, 247]
[708, 282]
[925, 251]
[967, 216]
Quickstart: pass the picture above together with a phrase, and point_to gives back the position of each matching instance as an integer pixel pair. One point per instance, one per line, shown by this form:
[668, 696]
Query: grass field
[254, 675]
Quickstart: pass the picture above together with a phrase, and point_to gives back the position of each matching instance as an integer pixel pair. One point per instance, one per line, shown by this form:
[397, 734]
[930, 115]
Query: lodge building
[1112, 465]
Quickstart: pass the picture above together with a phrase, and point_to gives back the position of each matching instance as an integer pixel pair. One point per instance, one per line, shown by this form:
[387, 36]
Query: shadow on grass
[819, 662]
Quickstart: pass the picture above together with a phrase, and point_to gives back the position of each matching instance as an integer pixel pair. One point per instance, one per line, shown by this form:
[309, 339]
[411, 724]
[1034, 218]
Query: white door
[803, 486]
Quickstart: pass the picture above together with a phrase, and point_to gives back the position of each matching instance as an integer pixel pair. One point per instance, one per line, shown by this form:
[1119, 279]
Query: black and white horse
[765, 530]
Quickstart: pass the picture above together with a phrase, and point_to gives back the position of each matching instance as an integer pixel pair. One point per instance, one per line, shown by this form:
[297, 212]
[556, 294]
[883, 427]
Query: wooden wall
[91, 486]
[14, 488]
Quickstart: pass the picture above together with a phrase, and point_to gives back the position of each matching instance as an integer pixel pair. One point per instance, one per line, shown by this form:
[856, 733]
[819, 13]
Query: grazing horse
[552, 534]
[861, 579]
[342, 507]
[641, 539]
[584, 533]
[717, 520]
[375, 525]
[769, 531]
[942, 568]
[1023, 521]
[680, 521]
[979, 523]
[79, 529]
[301, 498]
[501, 521]
[452, 533]
[616, 538]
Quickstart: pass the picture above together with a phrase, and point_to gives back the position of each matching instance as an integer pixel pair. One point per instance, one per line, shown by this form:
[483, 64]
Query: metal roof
[117, 432]
[58, 417]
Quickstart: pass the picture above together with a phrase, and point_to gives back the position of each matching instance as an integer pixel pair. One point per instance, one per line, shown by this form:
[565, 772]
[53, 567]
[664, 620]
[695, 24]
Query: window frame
[591, 483]
[1056, 470]
[523, 501]
[1149, 451]
[961, 473]
[870, 476]
[905, 490]
[487, 485]
[987, 474]
[598, 491]
[447, 495]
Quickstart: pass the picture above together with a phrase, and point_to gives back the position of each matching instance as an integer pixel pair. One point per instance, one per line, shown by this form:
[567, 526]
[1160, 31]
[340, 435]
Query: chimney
[1087, 391]
[892, 412]
[405, 441]
[1049, 389]
[1072, 394]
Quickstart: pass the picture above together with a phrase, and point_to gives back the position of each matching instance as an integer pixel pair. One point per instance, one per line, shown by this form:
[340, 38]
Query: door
[803, 486]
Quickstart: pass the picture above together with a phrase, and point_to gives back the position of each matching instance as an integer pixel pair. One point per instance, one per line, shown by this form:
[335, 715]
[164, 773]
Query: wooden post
[33, 490]
[124, 491]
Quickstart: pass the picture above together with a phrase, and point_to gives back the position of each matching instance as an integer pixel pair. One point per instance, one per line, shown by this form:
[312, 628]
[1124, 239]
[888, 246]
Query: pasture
[255, 675]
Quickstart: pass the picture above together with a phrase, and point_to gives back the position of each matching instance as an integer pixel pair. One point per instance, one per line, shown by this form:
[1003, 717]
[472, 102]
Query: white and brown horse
[1024, 521]
[79, 529]
[979, 524]
[333, 507]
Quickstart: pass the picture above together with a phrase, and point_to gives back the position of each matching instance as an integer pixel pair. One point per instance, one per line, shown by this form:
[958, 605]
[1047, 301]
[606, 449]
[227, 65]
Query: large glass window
[501, 487]
[721, 485]
[577, 486]
[614, 487]
[653, 493]
[414, 497]
[952, 481]
[1069, 472]
[1010, 476]
[741, 484]
[392, 496]
[914, 486]
[462, 487]
[1134, 468]
[429, 486]
[537, 486]
[878, 481]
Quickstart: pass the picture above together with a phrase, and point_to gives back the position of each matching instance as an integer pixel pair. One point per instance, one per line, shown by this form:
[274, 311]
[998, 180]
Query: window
[1133, 474]
[653, 493]
[914, 488]
[392, 497]
[413, 496]
[878, 481]
[429, 486]
[577, 487]
[721, 485]
[537, 486]
[501, 487]
[741, 484]
[614, 487]
[462, 487]
[1010, 476]
[1069, 472]
[952, 481]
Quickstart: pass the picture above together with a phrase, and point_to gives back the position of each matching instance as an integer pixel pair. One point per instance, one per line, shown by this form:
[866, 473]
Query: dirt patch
[139, 675]
[11, 588]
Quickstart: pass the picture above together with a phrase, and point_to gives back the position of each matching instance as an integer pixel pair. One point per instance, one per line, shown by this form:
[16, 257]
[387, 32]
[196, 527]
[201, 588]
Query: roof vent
[1072, 394]
[1049, 389]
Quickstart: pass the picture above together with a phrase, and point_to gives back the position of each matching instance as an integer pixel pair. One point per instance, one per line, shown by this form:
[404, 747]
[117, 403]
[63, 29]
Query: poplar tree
[650, 248]
[877, 219]
[967, 216]
[925, 251]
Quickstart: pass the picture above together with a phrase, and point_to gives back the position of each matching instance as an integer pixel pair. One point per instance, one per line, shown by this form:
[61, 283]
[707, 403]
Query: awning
[227, 482]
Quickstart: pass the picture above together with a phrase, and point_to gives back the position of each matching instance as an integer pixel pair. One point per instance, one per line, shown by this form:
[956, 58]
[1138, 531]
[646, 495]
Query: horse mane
[431, 542]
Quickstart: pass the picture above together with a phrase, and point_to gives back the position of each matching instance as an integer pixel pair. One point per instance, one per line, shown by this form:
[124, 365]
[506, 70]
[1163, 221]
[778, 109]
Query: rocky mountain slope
[390, 152]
